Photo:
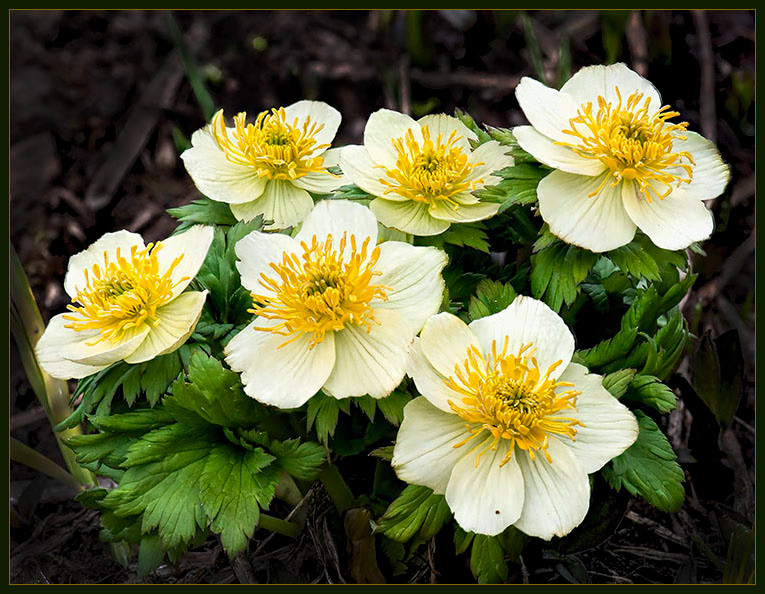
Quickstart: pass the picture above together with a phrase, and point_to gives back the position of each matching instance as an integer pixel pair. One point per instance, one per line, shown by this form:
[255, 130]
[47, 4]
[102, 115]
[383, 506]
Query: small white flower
[335, 311]
[620, 163]
[268, 167]
[423, 172]
[127, 303]
[508, 427]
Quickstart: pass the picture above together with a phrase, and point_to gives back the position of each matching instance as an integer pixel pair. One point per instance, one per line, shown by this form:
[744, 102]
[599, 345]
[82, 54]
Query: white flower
[423, 172]
[508, 427]
[620, 163]
[334, 310]
[268, 167]
[127, 303]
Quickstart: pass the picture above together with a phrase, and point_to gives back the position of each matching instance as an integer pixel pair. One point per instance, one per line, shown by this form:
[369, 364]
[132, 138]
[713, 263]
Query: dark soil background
[96, 98]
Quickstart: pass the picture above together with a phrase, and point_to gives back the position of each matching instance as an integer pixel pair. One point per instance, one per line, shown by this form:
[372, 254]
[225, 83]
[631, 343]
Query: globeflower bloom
[334, 310]
[423, 172]
[267, 167]
[508, 428]
[127, 303]
[620, 163]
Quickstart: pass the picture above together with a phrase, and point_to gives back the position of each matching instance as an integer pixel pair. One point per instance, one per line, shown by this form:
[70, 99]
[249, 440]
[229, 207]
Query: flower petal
[444, 125]
[414, 277]
[281, 202]
[319, 182]
[710, 174]
[463, 213]
[256, 252]
[336, 218]
[48, 350]
[409, 217]
[177, 321]
[525, 321]
[361, 170]
[672, 223]
[315, 112]
[557, 494]
[104, 353]
[489, 498]
[428, 381]
[94, 254]
[193, 246]
[445, 340]
[370, 362]
[424, 453]
[608, 428]
[592, 82]
[598, 224]
[548, 110]
[283, 375]
[383, 126]
[488, 158]
[217, 177]
[546, 151]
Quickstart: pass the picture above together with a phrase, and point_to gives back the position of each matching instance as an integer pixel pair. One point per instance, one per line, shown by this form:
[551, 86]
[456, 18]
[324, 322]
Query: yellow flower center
[430, 172]
[123, 293]
[274, 147]
[509, 397]
[320, 290]
[633, 144]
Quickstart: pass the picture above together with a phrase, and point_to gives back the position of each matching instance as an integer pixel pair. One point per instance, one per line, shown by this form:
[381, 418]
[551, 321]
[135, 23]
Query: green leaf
[487, 560]
[384, 453]
[717, 374]
[417, 511]
[649, 390]
[491, 297]
[150, 554]
[546, 239]
[202, 212]
[465, 118]
[635, 261]
[462, 235]
[323, 411]
[366, 404]
[352, 192]
[618, 381]
[462, 539]
[392, 406]
[505, 137]
[648, 468]
[557, 271]
[302, 460]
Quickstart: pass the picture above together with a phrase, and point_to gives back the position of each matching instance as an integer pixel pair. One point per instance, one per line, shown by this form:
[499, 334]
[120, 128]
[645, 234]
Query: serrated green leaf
[465, 118]
[717, 374]
[323, 411]
[301, 460]
[366, 404]
[557, 271]
[352, 192]
[491, 297]
[648, 468]
[417, 511]
[505, 137]
[649, 390]
[635, 261]
[487, 560]
[150, 554]
[392, 406]
[546, 239]
[467, 235]
[462, 539]
[384, 453]
[202, 211]
[618, 382]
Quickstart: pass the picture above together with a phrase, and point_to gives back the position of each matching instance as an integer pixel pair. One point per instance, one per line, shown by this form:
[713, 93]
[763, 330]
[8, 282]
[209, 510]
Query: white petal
[546, 109]
[463, 213]
[424, 453]
[371, 362]
[332, 156]
[319, 182]
[414, 277]
[428, 381]
[361, 170]
[594, 81]
[409, 217]
[216, 176]
[445, 340]
[710, 174]
[487, 499]
[193, 245]
[336, 218]
[608, 428]
[177, 321]
[104, 352]
[109, 243]
[283, 375]
[546, 151]
[672, 223]
[557, 494]
[281, 202]
[256, 252]
[598, 224]
[444, 125]
[491, 156]
[319, 113]
[382, 128]
[48, 350]
[525, 321]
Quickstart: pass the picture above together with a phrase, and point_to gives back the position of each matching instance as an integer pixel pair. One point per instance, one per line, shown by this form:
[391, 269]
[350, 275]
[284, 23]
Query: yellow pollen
[509, 397]
[632, 144]
[431, 172]
[321, 290]
[274, 147]
[122, 294]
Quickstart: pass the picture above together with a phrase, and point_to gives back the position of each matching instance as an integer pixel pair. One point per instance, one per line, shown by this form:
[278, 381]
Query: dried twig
[637, 42]
[707, 107]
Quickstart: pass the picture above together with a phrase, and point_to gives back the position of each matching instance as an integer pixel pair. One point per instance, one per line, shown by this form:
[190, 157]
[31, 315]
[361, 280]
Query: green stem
[22, 453]
[338, 490]
[287, 490]
[278, 525]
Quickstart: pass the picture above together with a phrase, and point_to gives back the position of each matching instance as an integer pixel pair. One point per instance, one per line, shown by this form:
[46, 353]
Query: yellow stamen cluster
[122, 294]
[430, 172]
[509, 397]
[633, 144]
[274, 147]
[321, 290]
